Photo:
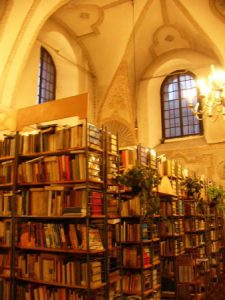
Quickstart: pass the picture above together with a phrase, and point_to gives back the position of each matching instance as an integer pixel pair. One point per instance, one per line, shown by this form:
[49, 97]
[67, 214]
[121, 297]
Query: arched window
[46, 78]
[177, 118]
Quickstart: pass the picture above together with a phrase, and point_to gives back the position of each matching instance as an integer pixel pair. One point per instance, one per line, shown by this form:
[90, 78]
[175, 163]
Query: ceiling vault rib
[164, 12]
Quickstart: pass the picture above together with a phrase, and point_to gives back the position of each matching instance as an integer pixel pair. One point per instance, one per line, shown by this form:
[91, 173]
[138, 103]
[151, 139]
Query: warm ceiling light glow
[211, 96]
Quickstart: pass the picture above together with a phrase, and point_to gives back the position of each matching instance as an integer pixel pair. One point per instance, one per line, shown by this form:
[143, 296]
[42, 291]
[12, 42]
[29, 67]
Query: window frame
[43, 54]
[177, 73]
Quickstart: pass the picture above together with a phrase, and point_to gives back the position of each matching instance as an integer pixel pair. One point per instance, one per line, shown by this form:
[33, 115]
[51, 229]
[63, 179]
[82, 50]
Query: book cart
[139, 235]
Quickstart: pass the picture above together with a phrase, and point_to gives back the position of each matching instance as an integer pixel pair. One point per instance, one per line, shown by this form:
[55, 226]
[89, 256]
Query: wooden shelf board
[59, 182]
[139, 268]
[5, 246]
[5, 276]
[5, 158]
[5, 216]
[69, 286]
[75, 150]
[72, 216]
[138, 293]
[60, 250]
[6, 185]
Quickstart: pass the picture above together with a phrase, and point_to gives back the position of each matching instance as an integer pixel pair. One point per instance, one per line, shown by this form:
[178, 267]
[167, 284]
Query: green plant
[215, 195]
[142, 181]
[200, 206]
[193, 187]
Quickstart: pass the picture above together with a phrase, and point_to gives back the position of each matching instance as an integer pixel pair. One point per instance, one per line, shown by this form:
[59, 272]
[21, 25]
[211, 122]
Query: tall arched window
[177, 118]
[46, 78]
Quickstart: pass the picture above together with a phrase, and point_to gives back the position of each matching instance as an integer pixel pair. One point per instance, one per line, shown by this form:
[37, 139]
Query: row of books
[60, 168]
[56, 138]
[172, 247]
[169, 267]
[59, 200]
[131, 207]
[129, 157]
[5, 260]
[60, 269]
[132, 257]
[132, 281]
[170, 168]
[194, 224]
[112, 169]
[190, 269]
[136, 231]
[60, 236]
[215, 246]
[171, 227]
[5, 203]
[35, 292]
[5, 232]
[193, 240]
[171, 207]
[7, 146]
[112, 143]
[6, 172]
[53, 137]
[5, 286]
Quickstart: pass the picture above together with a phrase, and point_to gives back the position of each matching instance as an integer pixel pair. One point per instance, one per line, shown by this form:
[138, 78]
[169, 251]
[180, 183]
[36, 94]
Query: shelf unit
[139, 234]
[61, 218]
[7, 194]
[112, 194]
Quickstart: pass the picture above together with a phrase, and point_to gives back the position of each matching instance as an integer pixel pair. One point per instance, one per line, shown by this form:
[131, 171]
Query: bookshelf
[7, 194]
[114, 252]
[60, 211]
[139, 233]
[69, 231]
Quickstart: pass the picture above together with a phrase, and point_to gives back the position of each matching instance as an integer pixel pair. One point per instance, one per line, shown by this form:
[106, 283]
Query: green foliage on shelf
[143, 181]
[193, 187]
[215, 195]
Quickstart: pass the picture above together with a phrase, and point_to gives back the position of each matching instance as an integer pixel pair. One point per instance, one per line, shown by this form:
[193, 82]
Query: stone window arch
[177, 118]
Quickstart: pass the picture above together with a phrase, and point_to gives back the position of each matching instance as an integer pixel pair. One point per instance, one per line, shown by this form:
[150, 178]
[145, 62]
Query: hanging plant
[143, 182]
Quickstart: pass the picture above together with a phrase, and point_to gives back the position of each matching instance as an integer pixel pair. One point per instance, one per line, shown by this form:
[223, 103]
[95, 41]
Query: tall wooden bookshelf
[139, 235]
[68, 230]
[114, 251]
[60, 246]
[7, 194]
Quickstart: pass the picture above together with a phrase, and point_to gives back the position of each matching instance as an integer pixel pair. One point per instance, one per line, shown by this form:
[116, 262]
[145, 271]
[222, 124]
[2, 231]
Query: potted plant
[192, 187]
[143, 182]
[215, 195]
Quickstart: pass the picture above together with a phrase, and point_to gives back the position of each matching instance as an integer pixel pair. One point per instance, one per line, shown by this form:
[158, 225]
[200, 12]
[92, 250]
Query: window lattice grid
[178, 119]
[46, 78]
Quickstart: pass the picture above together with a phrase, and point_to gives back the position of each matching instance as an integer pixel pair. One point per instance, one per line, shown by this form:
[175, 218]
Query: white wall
[149, 115]
[73, 75]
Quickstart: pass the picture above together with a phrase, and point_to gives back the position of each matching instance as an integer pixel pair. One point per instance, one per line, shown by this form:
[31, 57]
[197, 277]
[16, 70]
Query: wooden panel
[53, 110]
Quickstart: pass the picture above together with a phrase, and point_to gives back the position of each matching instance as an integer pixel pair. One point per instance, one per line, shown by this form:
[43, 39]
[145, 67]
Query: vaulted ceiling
[141, 30]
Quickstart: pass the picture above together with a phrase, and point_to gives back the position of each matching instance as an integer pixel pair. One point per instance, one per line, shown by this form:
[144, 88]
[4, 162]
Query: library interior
[112, 150]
